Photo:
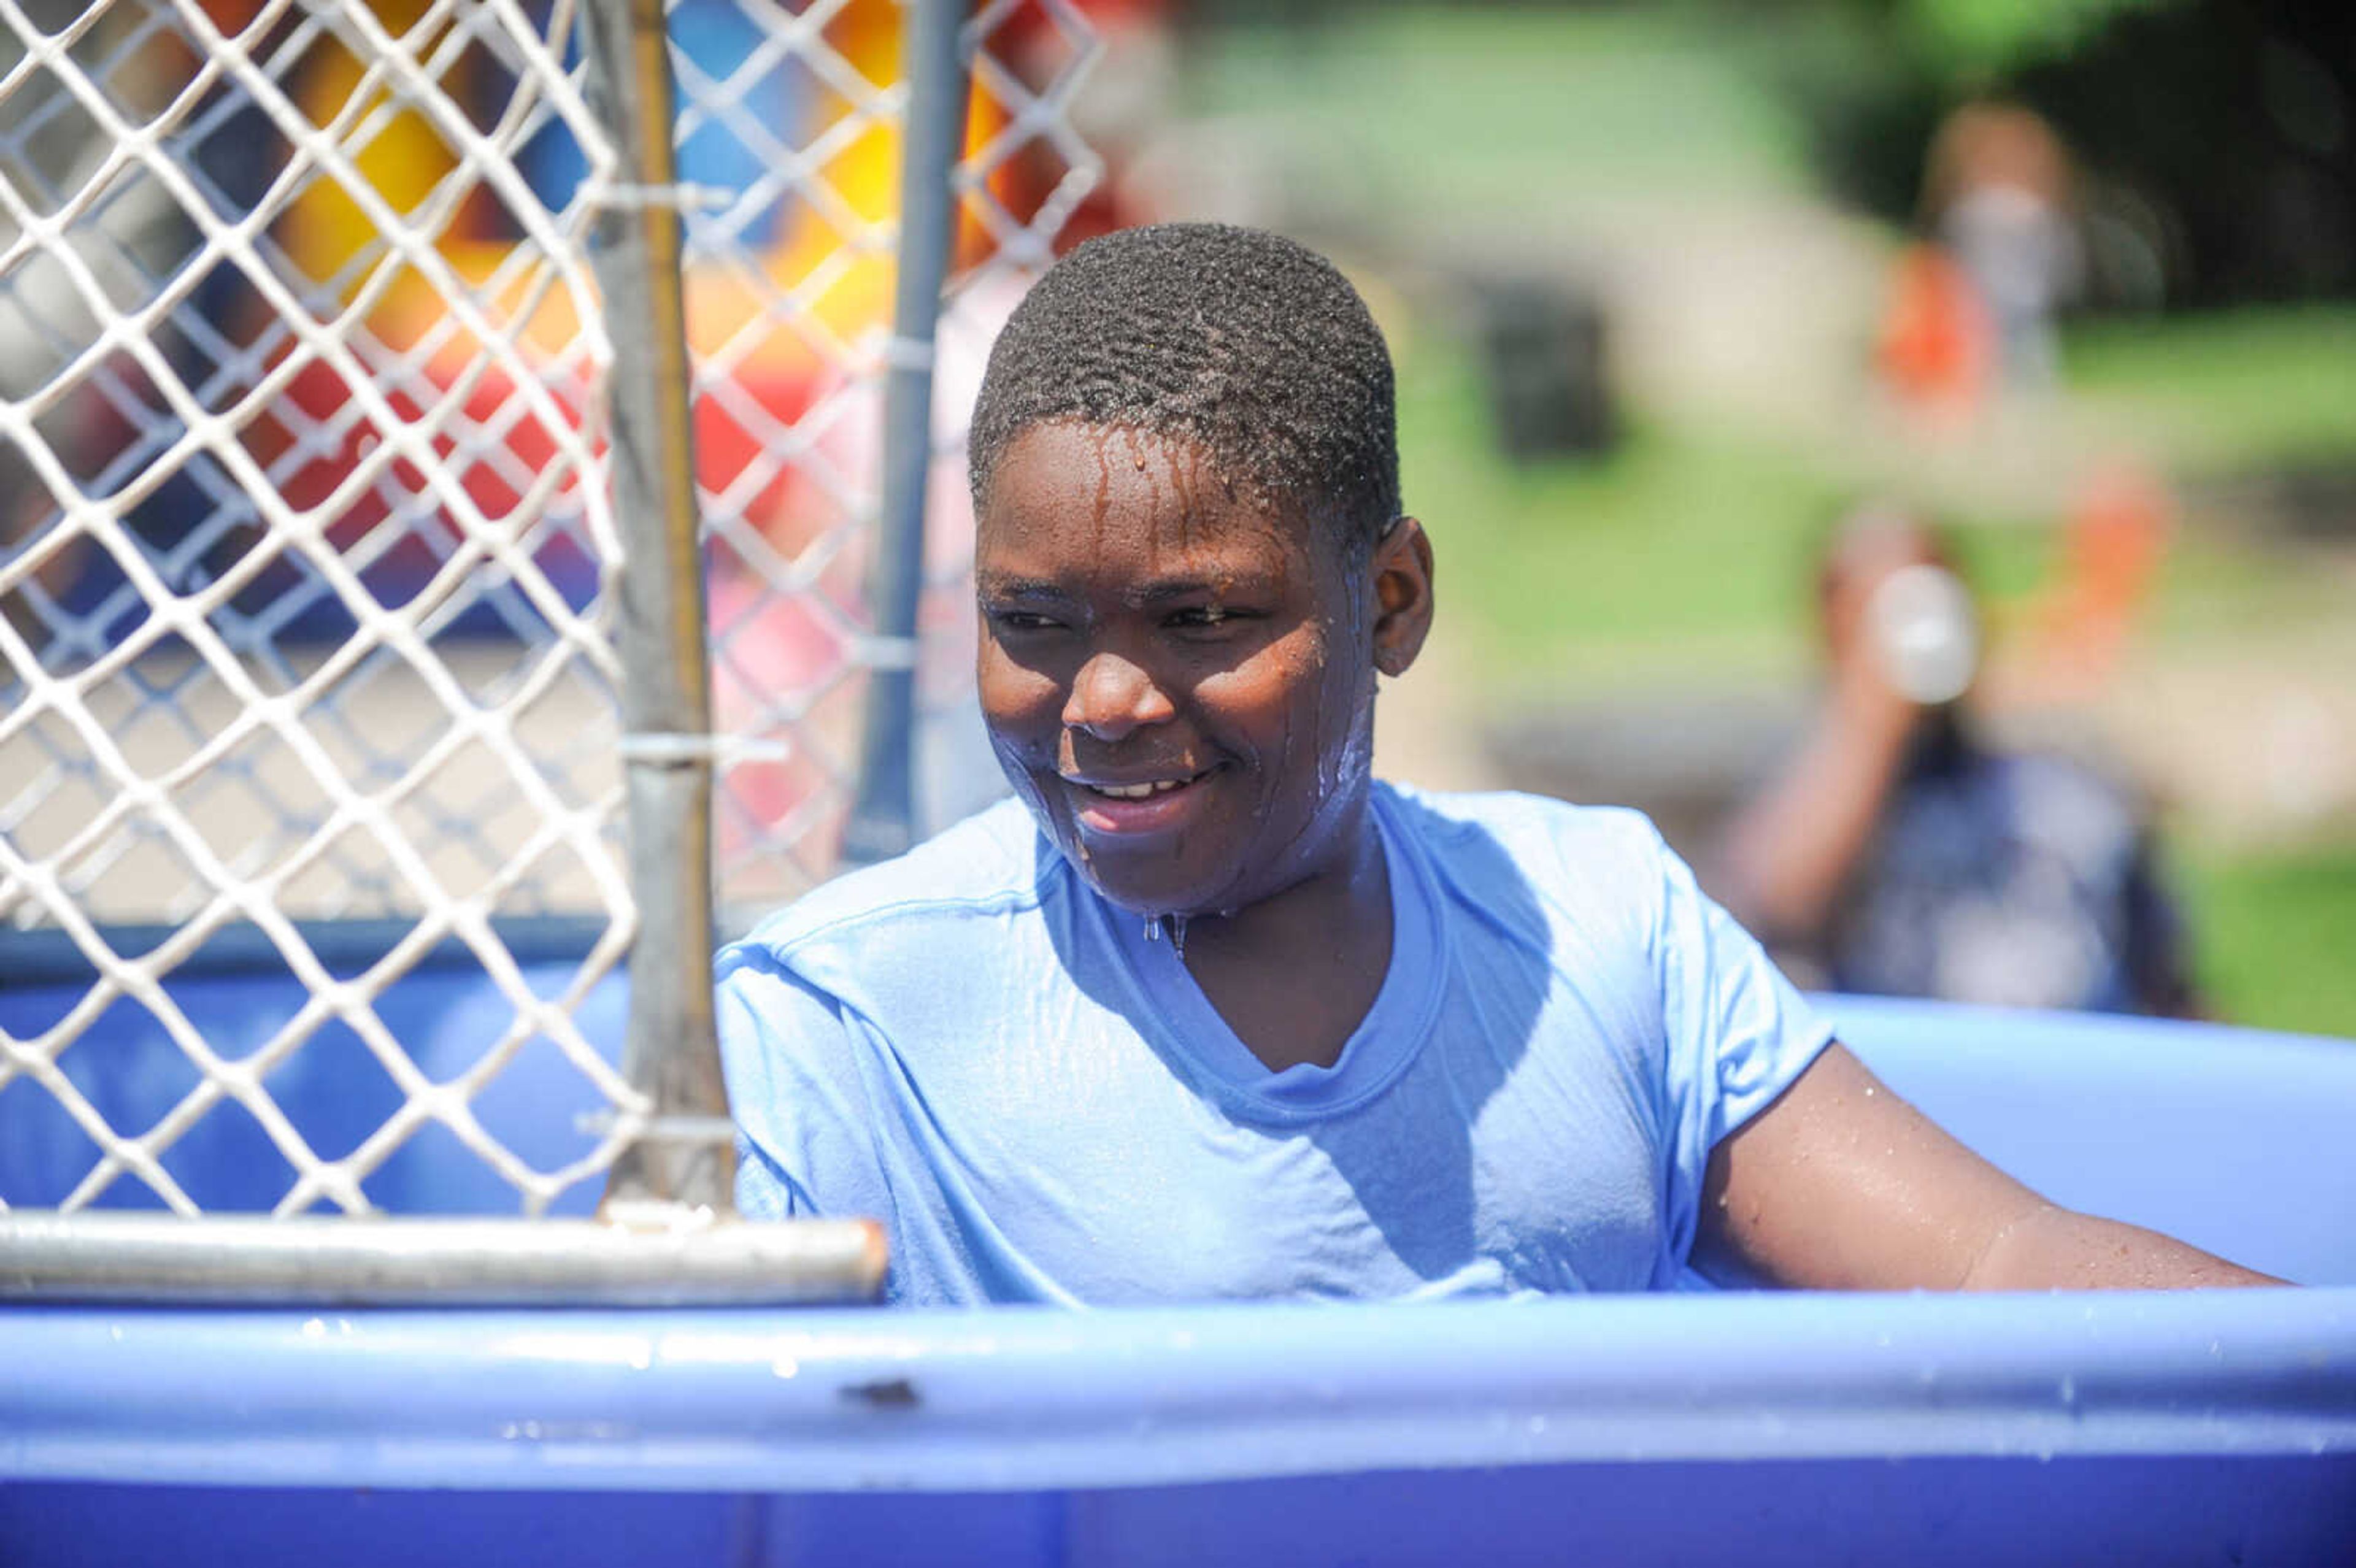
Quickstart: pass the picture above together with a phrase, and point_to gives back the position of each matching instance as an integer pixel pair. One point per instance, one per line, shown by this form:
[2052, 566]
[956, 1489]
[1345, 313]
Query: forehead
[1100, 500]
[1879, 542]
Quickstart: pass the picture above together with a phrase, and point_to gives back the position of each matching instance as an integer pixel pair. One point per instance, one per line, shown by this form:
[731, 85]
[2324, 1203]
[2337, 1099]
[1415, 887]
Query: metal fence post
[881, 818]
[670, 1051]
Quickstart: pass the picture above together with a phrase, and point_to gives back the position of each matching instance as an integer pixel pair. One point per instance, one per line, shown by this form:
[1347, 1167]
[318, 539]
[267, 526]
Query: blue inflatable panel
[2211, 1426]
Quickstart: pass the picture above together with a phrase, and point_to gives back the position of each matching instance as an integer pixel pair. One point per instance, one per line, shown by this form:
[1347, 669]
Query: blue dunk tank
[2200, 1427]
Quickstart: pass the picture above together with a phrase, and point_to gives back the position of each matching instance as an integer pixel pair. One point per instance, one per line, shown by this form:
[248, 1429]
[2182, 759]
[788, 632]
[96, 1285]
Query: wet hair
[1249, 344]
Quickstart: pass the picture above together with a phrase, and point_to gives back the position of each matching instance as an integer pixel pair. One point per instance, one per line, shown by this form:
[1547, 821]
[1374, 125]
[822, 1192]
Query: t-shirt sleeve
[804, 1140]
[1736, 1033]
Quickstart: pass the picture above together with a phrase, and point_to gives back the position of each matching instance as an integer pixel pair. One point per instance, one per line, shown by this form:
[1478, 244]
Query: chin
[1147, 896]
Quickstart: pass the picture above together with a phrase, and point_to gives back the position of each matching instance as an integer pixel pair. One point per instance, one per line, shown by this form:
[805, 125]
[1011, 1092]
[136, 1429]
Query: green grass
[2228, 392]
[1684, 546]
[1686, 553]
[1444, 112]
[2275, 937]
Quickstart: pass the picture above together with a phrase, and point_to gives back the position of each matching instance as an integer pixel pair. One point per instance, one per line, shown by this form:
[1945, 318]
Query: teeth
[1138, 792]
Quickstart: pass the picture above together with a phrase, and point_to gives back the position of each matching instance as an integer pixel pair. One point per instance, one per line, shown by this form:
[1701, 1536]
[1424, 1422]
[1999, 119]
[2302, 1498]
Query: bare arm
[1842, 1185]
[1787, 852]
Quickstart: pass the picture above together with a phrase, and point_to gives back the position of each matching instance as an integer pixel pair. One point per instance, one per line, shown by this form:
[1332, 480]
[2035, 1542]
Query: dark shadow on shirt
[1408, 1152]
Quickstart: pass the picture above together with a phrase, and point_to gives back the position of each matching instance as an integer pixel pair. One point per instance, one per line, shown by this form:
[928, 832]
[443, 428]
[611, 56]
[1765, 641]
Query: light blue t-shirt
[972, 1046]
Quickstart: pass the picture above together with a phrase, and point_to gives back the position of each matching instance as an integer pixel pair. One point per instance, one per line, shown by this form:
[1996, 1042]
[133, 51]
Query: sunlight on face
[1178, 680]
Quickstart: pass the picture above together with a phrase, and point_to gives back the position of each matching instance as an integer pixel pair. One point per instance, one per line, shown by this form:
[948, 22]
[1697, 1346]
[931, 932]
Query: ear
[1402, 590]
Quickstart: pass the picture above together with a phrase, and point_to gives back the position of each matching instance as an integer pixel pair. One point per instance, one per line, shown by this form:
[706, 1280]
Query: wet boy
[1206, 1010]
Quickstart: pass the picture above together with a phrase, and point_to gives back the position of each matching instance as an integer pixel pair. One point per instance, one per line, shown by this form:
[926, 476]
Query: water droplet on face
[1104, 492]
[1153, 928]
[1178, 936]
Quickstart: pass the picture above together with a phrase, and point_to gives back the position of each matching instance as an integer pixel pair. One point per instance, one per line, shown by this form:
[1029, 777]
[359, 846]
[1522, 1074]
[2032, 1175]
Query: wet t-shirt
[1029, 1091]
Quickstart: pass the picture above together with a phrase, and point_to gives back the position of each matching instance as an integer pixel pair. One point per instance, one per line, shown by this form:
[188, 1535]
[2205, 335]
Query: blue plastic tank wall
[2201, 1427]
[2151, 1512]
[2205, 1427]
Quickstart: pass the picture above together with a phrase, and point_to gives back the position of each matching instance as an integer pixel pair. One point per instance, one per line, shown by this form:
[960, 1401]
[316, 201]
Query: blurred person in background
[1998, 186]
[1973, 303]
[1898, 852]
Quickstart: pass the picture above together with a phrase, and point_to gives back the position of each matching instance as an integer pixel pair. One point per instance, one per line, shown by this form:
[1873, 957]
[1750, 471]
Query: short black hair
[1251, 343]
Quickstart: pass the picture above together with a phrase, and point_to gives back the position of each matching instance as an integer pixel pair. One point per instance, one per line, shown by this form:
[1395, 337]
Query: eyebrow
[1143, 595]
[1162, 590]
[1031, 588]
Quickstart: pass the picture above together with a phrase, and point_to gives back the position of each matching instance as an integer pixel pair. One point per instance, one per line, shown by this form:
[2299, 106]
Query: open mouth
[1145, 806]
[1139, 790]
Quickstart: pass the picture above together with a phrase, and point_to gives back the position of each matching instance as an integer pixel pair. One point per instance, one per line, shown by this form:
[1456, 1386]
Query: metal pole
[881, 819]
[670, 1051]
[390, 1261]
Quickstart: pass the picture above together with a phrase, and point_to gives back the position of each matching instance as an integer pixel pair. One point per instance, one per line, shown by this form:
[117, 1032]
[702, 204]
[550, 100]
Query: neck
[1295, 973]
[1348, 899]
[1939, 743]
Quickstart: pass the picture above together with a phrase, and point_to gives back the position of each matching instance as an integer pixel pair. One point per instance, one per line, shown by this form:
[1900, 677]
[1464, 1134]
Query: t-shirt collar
[1377, 1050]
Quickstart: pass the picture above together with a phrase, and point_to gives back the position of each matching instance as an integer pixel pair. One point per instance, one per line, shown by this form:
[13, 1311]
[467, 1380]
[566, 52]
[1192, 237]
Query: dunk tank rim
[1712, 1426]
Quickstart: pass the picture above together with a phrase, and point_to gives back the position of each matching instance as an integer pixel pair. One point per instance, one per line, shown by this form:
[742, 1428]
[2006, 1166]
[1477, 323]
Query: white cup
[1926, 634]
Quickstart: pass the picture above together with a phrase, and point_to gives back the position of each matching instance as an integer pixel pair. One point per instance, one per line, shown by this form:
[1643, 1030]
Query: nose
[1113, 696]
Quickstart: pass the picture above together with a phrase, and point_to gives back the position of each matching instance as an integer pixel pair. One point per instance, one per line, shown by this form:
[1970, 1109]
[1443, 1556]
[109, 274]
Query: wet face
[1178, 681]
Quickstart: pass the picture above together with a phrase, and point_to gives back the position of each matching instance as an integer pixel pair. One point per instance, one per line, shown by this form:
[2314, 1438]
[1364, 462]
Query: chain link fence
[307, 651]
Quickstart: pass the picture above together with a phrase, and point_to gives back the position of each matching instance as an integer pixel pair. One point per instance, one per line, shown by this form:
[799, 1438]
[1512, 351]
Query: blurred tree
[2216, 138]
[2222, 136]
[1973, 43]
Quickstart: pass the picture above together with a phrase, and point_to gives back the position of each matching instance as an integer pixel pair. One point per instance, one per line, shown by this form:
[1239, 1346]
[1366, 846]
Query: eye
[1205, 618]
[1019, 623]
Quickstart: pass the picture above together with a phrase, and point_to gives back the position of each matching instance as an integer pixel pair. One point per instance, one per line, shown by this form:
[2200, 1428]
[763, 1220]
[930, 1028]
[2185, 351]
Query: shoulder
[2044, 769]
[2070, 806]
[1590, 863]
[1543, 834]
[2090, 784]
[982, 871]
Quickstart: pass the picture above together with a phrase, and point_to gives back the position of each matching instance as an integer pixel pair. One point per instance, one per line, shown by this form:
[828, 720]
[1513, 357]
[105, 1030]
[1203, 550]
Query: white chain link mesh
[303, 529]
[791, 335]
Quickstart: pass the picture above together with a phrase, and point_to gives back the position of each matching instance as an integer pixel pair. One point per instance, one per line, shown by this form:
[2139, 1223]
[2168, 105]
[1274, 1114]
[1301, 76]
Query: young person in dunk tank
[1209, 1011]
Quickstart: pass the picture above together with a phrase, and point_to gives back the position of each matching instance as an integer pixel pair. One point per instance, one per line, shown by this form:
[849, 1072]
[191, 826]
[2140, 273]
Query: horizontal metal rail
[403, 1262]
